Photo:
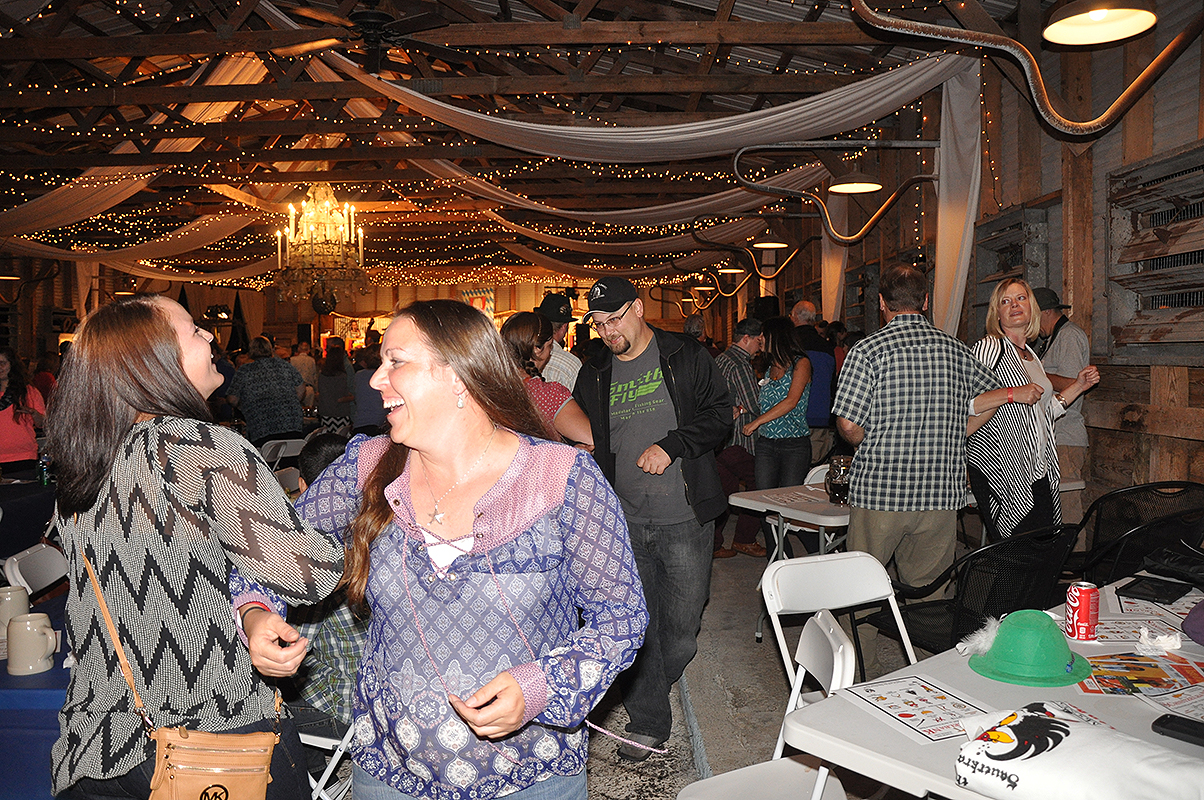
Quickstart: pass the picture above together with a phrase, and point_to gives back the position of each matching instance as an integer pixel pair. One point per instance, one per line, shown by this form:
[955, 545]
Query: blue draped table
[29, 719]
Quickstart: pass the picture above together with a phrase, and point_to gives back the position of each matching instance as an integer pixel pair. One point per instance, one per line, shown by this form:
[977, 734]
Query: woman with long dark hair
[783, 455]
[21, 410]
[503, 591]
[162, 501]
[529, 336]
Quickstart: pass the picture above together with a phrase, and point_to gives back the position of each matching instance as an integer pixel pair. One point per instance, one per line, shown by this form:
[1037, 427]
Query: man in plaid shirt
[904, 399]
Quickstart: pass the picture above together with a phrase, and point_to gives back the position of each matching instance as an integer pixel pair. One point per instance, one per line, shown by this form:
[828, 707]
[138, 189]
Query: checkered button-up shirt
[909, 386]
[735, 364]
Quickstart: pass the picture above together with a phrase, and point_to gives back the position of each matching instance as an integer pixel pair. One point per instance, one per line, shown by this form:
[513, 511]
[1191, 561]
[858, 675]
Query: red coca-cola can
[1082, 611]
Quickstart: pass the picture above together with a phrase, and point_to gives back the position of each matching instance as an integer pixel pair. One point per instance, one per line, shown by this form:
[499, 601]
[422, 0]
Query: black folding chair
[1125, 555]
[1015, 573]
[1118, 512]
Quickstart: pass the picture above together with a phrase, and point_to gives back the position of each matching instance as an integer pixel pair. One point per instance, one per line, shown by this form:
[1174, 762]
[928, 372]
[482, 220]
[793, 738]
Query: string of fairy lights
[146, 11]
[147, 223]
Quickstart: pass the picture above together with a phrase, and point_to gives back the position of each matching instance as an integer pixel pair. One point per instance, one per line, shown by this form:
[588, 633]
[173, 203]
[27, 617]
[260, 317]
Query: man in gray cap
[562, 367]
[658, 407]
[1065, 352]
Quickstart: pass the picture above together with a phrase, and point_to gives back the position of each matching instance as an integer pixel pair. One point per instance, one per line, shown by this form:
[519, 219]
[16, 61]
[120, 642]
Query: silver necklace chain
[437, 515]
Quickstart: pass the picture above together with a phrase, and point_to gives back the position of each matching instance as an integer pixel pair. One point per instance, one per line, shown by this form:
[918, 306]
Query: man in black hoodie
[659, 408]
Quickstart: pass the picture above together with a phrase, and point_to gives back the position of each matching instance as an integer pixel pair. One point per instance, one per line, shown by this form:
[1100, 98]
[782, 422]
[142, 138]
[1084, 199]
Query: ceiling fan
[378, 29]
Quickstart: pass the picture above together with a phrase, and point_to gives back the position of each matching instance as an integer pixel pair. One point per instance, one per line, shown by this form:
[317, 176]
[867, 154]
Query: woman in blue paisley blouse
[504, 596]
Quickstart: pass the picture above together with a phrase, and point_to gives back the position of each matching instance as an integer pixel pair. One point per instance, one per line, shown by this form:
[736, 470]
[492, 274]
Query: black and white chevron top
[1005, 448]
[185, 500]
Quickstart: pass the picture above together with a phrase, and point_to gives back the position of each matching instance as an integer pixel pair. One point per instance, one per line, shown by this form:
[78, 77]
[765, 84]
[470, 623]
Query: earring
[459, 401]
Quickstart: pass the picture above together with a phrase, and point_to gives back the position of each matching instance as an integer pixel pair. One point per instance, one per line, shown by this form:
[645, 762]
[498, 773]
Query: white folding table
[808, 504]
[846, 731]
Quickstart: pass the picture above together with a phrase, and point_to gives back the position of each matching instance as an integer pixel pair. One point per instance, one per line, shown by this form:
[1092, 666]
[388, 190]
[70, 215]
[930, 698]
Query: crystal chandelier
[317, 256]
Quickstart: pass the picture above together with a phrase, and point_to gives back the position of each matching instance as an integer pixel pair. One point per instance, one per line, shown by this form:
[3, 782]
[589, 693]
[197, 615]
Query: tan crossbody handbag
[196, 765]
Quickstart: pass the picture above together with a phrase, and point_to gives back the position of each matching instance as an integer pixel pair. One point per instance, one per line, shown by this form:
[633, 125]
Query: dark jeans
[784, 462]
[316, 722]
[737, 464]
[675, 570]
[288, 772]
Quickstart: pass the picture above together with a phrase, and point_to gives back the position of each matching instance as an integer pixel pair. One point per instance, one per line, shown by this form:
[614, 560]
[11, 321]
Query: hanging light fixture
[770, 241]
[1032, 71]
[1092, 22]
[824, 216]
[321, 254]
[854, 182]
[730, 267]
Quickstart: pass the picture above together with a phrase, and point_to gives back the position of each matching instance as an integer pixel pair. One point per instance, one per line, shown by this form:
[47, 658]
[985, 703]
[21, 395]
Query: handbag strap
[125, 664]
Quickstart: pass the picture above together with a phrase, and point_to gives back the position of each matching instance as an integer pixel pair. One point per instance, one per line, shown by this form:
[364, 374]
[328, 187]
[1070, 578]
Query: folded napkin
[1041, 752]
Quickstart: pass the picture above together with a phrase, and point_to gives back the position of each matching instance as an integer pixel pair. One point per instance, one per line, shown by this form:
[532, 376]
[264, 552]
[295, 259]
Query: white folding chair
[825, 653]
[36, 568]
[322, 787]
[276, 450]
[833, 581]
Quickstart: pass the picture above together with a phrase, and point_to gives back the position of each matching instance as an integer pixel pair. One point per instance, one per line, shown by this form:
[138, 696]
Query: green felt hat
[1030, 649]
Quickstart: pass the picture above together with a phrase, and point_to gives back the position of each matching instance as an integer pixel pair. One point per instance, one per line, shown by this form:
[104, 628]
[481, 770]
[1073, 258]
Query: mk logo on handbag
[215, 792]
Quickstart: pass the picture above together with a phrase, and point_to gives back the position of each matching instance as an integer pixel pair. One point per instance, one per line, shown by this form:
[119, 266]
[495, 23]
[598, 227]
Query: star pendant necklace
[437, 515]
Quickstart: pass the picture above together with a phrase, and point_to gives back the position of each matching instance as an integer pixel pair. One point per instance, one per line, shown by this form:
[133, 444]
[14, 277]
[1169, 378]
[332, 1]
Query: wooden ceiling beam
[650, 33]
[272, 156]
[31, 48]
[723, 83]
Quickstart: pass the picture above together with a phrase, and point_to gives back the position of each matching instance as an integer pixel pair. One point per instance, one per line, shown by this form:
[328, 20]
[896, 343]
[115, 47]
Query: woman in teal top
[783, 453]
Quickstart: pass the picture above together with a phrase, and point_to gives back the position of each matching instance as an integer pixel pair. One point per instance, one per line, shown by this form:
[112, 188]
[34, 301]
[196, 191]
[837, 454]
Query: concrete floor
[735, 690]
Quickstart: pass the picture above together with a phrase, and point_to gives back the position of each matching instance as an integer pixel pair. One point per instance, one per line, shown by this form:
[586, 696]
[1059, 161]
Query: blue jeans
[288, 771]
[675, 570]
[783, 462]
[557, 787]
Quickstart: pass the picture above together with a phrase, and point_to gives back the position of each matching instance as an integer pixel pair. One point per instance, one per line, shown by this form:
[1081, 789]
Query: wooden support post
[1137, 126]
[1170, 458]
[1077, 218]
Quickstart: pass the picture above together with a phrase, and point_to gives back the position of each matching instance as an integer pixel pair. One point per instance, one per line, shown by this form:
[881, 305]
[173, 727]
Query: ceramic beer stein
[14, 601]
[31, 644]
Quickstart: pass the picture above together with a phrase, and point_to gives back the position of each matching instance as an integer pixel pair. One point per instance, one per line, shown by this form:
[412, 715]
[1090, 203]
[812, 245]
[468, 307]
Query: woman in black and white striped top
[163, 502]
[1013, 460]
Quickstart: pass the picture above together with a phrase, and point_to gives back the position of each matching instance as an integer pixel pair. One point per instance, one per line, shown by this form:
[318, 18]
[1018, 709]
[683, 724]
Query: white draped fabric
[254, 310]
[253, 305]
[822, 115]
[84, 275]
[101, 188]
[834, 258]
[199, 233]
[959, 162]
[728, 232]
[695, 262]
[825, 114]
